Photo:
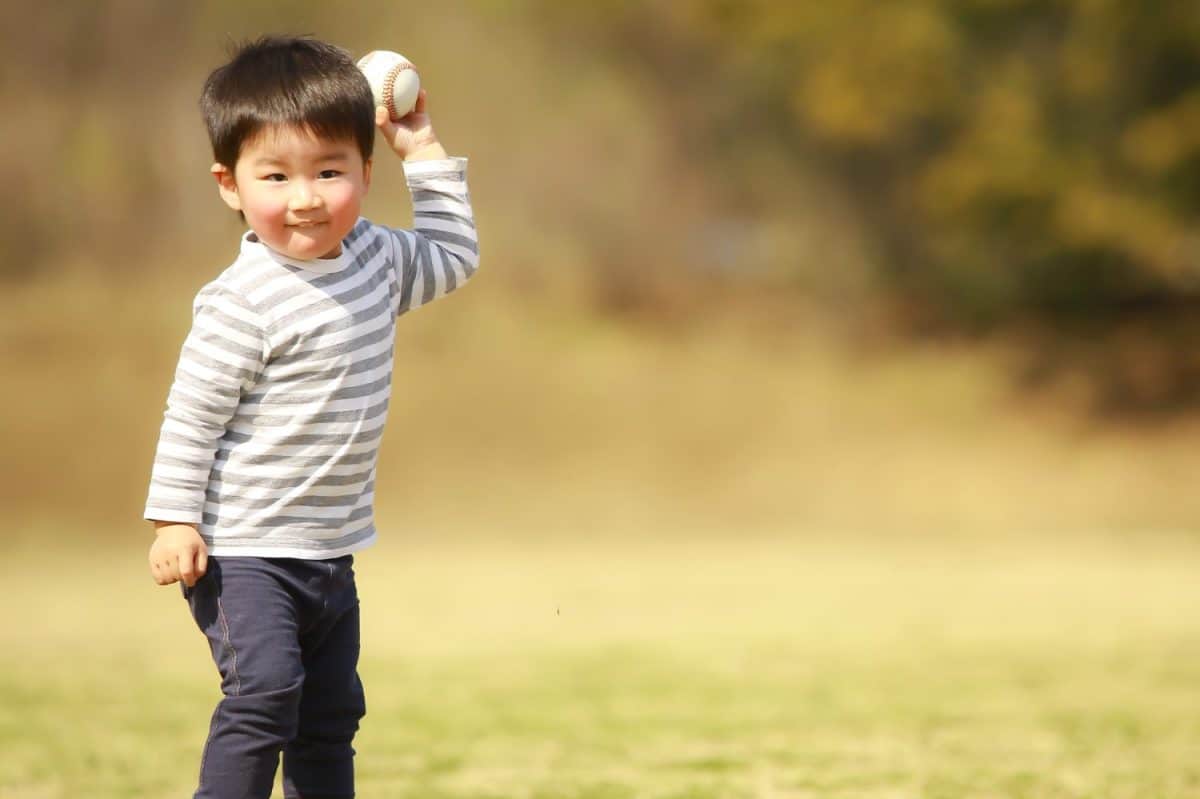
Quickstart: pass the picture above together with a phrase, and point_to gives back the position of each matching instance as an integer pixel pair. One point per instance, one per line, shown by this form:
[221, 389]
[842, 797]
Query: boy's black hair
[287, 80]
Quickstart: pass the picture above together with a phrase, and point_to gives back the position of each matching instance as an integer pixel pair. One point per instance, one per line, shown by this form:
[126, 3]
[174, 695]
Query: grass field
[770, 667]
[604, 573]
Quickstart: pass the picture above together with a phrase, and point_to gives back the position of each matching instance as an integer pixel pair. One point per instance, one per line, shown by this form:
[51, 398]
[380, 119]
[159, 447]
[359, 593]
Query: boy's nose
[304, 197]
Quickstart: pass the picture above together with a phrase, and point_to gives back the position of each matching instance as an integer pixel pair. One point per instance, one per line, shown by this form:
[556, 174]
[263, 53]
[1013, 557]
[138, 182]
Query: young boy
[264, 476]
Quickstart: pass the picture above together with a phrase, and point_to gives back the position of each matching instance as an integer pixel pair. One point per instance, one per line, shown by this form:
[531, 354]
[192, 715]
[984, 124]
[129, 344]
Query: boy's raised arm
[441, 253]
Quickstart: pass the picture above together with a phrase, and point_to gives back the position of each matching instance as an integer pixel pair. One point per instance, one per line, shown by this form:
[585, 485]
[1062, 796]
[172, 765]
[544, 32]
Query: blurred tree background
[996, 165]
[1023, 165]
[970, 210]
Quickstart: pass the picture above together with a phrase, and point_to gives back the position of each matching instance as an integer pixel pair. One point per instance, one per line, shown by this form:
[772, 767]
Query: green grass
[767, 668]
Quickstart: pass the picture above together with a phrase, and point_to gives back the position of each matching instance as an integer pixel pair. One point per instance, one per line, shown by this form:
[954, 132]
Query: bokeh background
[832, 368]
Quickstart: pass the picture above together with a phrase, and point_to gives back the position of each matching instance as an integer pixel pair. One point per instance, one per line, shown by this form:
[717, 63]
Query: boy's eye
[275, 177]
[329, 173]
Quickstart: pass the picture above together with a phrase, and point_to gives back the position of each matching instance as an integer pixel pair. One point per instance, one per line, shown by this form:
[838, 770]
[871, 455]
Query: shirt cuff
[172, 515]
[455, 168]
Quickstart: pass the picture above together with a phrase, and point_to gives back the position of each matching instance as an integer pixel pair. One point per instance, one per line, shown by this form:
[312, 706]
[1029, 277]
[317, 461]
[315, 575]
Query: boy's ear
[227, 186]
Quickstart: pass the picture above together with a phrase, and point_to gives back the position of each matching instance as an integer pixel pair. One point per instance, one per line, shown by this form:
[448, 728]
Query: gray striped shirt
[273, 422]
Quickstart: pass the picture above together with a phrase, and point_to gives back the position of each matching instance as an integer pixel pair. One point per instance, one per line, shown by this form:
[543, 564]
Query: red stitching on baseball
[388, 83]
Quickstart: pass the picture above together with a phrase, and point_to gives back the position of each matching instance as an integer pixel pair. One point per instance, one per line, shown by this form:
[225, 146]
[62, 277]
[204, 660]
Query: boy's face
[301, 195]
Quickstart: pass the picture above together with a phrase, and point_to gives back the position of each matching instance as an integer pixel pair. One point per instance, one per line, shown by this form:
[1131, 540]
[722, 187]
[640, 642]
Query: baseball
[393, 79]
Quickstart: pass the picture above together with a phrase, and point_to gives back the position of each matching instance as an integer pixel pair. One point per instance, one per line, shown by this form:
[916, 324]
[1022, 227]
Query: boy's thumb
[383, 121]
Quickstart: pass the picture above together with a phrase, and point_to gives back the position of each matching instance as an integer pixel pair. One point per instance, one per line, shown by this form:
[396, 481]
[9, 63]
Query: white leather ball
[394, 81]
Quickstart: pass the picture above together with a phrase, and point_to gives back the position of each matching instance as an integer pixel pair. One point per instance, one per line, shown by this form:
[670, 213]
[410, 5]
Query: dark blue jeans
[284, 634]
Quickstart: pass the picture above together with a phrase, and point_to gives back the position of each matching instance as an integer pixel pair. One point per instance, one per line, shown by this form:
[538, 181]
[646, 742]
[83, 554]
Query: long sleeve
[223, 356]
[441, 253]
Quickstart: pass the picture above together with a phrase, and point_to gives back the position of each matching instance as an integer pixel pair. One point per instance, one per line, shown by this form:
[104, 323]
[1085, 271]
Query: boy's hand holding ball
[400, 106]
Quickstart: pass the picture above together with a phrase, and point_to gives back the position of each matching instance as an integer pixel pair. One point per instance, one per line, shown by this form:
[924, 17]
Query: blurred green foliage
[1017, 163]
[1017, 155]
[971, 165]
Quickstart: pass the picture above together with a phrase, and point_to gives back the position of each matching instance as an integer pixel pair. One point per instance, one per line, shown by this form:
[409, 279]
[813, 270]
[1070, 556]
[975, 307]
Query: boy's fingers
[383, 120]
[419, 108]
[167, 573]
[387, 127]
[187, 569]
[201, 562]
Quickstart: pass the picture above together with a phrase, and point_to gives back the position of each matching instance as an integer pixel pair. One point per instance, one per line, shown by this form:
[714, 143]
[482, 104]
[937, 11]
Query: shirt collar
[323, 266]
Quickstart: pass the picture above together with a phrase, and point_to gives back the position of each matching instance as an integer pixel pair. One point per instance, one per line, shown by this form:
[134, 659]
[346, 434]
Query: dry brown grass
[532, 417]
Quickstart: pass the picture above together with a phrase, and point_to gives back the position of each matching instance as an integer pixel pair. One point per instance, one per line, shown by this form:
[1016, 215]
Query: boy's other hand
[178, 553]
[412, 138]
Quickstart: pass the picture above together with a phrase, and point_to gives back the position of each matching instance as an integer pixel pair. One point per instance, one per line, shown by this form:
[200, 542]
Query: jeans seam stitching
[227, 641]
[212, 730]
[325, 594]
